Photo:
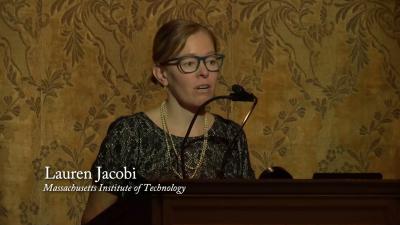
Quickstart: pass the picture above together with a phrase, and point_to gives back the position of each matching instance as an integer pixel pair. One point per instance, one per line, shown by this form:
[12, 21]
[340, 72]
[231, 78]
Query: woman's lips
[203, 86]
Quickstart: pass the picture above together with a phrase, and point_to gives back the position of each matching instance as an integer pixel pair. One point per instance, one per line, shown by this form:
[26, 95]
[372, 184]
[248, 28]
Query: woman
[186, 64]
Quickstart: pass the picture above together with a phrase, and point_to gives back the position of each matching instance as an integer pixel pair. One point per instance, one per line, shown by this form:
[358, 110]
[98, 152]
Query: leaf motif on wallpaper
[342, 159]
[73, 156]
[11, 109]
[77, 201]
[359, 50]
[107, 18]
[129, 103]
[252, 81]
[60, 164]
[139, 22]
[336, 88]
[28, 210]
[296, 75]
[106, 108]
[392, 77]
[342, 85]
[72, 31]
[155, 5]
[98, 22]
[12, 73]
[346, 159]
[396, 113]
[326, 165]
[18, 34]
[45, 151]
[77, 204]
[274, 20]
[320, 105]
[316, 32]
[54, 81]
[261, 25]
[380, 120]
[222, 81]
[15, 61]
[282, 24]
[361, 18]
[195, 10]
[209, 13]
[262, 158]
[264, 51]
[87, 132]
[144, 89]
[34, 104]
[278, 136]
[107, 72]
[3, 210]
[73, 46]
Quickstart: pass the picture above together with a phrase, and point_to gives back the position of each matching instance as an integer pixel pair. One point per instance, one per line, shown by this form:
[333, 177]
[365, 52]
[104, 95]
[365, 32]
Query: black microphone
[275, 172]
[239, 94]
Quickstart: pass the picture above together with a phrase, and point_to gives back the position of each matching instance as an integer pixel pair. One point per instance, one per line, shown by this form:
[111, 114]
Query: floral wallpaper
[326, 72]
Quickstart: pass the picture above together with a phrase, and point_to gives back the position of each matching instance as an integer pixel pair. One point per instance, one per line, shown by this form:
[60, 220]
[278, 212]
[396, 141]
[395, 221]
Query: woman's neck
[179, 119]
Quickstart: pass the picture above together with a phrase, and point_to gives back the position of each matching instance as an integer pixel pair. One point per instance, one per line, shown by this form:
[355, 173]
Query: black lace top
[137, 142]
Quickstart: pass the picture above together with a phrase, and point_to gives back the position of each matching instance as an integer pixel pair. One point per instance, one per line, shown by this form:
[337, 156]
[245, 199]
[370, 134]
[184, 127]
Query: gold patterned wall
[326, 72]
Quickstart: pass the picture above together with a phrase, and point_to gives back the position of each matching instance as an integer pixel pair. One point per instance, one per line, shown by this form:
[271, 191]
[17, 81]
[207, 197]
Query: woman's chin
[194, 105]
[195, 101]
[202, 99]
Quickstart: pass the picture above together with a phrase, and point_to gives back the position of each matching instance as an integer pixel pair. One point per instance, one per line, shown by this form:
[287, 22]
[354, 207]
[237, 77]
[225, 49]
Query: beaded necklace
[164, 117]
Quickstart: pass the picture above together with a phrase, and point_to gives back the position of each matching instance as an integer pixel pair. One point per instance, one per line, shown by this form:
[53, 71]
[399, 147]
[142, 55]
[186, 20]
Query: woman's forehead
[199, 43]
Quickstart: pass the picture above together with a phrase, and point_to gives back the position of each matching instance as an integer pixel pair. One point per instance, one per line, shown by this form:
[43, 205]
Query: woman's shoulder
[224, 123]
[128, 121]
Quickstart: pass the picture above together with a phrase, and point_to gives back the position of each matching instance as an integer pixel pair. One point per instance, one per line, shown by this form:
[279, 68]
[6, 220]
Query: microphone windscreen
[237, 88]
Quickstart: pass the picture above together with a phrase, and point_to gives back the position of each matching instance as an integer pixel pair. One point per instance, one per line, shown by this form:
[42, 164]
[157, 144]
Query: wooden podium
[271, 202]
[283, 202]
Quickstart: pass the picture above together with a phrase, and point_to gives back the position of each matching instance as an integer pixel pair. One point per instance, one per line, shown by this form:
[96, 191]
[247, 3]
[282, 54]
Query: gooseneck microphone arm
[190, 129]
[239, 94]
[230, 147]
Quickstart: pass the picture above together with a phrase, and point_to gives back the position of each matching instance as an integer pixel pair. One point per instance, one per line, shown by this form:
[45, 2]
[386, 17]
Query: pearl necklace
[164, 116]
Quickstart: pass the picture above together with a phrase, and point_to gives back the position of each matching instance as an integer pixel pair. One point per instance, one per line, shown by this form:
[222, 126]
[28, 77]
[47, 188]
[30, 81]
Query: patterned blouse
[137, 142]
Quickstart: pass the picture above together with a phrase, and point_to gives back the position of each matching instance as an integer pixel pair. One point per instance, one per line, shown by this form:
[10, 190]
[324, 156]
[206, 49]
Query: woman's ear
[160, 75]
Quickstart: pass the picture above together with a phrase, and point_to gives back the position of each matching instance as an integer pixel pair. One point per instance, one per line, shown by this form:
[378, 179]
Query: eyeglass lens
[191, 64]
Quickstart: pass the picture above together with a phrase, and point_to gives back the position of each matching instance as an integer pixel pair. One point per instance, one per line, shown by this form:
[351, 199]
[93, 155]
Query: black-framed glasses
[190, 64]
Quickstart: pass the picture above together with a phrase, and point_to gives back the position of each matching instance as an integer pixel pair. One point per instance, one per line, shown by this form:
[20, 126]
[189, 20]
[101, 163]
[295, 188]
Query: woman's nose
[203, 71]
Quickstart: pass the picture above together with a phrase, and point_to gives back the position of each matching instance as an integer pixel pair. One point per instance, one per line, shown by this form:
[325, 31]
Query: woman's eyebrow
[192, 54]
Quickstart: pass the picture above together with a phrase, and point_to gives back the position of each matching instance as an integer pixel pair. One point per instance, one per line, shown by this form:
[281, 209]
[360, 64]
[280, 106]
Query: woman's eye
[188, 63]
[212, 62]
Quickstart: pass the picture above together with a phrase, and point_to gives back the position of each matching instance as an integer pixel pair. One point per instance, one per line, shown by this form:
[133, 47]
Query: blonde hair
[171, 38]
